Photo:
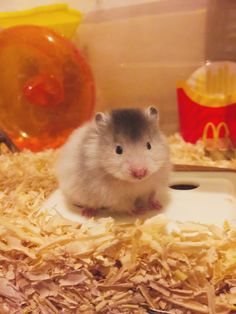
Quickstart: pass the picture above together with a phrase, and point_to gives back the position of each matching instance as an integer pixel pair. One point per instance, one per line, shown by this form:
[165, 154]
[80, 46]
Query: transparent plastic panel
[138, 50]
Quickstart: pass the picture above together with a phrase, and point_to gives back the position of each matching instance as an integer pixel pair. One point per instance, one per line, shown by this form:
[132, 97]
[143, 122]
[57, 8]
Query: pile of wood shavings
[187, 153]
[51, 265]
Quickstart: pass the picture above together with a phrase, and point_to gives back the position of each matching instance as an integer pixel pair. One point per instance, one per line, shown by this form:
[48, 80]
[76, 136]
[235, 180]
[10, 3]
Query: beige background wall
[138, 52]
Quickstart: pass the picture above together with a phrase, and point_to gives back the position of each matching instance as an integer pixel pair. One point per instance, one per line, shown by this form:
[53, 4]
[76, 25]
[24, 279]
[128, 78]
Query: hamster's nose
[139, 173]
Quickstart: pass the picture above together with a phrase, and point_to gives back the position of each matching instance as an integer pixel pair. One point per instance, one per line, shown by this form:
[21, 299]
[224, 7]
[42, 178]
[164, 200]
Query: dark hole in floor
[183, 186]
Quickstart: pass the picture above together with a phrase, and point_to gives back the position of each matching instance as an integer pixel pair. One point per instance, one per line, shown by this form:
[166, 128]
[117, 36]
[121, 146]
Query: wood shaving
[194, 154]
[51, 265]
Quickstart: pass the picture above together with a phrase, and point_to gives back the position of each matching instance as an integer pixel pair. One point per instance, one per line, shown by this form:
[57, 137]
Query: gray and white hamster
[118, 161]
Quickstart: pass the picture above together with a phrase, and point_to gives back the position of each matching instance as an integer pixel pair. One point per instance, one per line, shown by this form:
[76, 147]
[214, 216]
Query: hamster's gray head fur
[129, 123]
[130, 145]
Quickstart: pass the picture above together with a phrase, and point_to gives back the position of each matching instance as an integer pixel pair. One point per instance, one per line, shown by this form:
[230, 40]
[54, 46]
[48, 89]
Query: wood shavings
[194, 154]
[51, 265]
[146, 296]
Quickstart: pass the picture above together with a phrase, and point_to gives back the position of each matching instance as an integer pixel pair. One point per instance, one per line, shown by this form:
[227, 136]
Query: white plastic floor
[212, 201]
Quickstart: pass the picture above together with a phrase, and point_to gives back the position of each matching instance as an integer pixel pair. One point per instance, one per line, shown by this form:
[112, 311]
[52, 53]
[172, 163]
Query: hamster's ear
[152, 113]
[101, 119]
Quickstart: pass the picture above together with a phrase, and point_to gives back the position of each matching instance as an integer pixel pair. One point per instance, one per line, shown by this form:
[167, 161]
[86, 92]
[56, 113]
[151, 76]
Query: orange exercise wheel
[46, 90]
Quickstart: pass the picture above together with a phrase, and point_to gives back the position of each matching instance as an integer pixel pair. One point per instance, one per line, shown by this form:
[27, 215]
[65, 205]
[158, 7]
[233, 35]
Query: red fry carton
[207, 106]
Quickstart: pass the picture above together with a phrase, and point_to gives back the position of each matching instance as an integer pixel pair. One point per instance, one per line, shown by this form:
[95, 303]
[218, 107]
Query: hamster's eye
[148, 145]
[119, 150]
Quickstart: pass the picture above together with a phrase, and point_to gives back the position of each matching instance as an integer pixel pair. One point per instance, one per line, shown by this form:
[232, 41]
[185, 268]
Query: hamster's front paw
[155, 204]
[89, 212]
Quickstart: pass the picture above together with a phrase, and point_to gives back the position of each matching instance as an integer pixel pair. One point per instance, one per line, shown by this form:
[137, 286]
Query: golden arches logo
[215, 130]
[222, 143]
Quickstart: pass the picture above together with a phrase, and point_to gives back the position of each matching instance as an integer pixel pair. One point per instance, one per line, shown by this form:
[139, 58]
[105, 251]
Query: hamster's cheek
[112, 165]
[123, 172]
[154, 164]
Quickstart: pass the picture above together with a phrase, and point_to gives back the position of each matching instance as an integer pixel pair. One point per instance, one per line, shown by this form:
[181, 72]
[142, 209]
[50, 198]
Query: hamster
[119, 161]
